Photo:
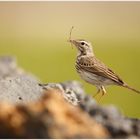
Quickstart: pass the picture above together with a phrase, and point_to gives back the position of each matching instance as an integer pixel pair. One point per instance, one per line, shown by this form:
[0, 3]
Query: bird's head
[84, 47]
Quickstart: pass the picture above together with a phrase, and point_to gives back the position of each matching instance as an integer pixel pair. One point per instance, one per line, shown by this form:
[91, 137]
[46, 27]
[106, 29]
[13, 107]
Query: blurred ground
[37, 32]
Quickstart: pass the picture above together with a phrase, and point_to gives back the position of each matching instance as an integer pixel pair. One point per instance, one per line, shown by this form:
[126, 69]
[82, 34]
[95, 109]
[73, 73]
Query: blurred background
[37, 33]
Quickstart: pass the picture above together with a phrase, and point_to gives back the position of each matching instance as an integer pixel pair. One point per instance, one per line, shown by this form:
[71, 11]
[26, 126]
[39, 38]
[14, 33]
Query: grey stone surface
[8, 67]
[20, 89]
[68, 94]
[16, 85]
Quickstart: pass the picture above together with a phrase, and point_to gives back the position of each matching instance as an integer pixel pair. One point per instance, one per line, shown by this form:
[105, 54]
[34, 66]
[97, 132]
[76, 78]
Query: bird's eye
[82, 43]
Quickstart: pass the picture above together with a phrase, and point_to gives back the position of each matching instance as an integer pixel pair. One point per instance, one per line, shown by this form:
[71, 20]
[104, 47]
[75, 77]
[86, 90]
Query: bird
[94, 71]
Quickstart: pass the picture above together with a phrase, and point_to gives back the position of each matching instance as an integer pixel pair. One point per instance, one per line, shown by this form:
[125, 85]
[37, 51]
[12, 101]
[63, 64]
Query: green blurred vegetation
[37, 33]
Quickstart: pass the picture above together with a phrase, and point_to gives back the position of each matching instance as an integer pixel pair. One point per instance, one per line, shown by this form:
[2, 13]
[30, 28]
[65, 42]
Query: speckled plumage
[92, 70]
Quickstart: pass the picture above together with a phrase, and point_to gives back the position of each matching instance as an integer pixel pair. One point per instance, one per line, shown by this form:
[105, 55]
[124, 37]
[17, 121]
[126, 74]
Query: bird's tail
[131, 88]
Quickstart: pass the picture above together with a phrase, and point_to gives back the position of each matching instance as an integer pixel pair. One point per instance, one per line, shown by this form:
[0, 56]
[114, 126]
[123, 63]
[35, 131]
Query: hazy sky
[103, 20]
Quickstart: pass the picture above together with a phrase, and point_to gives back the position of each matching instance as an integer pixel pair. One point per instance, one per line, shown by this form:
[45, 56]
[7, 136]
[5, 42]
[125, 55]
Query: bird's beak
[72, 42]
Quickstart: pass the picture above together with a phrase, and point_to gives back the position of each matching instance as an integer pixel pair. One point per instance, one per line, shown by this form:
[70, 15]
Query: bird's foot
[102, 89]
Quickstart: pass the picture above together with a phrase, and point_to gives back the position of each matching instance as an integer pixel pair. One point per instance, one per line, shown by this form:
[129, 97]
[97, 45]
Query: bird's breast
[92, 78]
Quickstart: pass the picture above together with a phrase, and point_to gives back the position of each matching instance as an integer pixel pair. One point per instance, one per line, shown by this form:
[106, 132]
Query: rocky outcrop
[50, 117]
[109, 116]
[30, 109]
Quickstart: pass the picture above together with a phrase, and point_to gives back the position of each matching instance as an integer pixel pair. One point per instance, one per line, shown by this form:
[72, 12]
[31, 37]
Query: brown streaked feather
[95, 66]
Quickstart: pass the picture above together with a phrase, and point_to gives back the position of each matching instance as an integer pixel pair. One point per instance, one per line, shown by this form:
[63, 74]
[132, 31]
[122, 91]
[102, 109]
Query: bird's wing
[93, 65]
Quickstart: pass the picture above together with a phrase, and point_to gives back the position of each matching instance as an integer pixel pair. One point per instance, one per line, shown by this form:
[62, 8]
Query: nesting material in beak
[71, 42]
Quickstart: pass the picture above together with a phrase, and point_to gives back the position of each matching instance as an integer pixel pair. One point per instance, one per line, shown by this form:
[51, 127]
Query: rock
[75, 86]
[80, 94]
[110, 117]
[8, 67]
[68, 94]
[72, 91]
[50, 117]
[16, 85]
[20, 89]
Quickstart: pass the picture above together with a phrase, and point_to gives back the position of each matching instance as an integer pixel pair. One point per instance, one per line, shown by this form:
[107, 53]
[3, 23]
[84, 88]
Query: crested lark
[92, 70]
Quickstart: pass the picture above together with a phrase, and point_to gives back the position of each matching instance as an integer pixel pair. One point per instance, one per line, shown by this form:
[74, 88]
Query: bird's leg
[98, 91]
[103, 92]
